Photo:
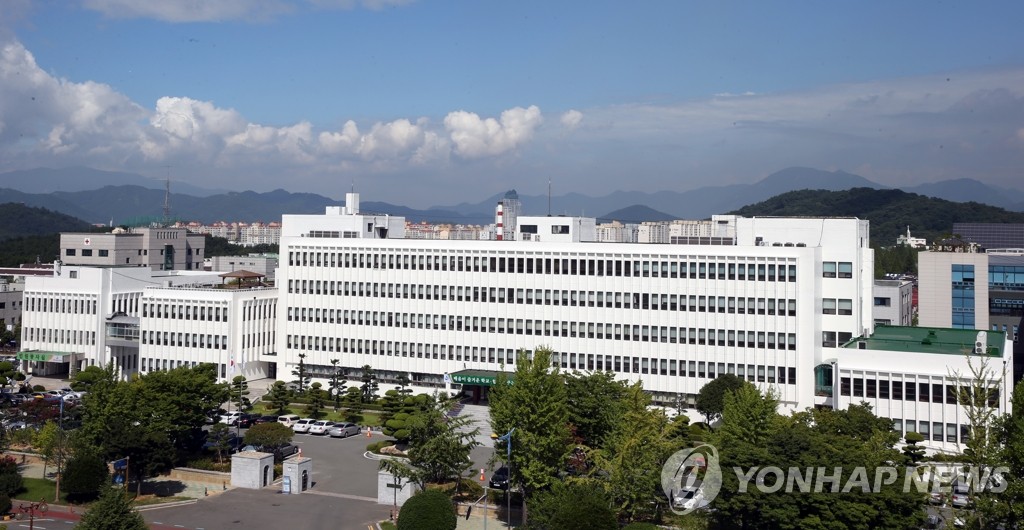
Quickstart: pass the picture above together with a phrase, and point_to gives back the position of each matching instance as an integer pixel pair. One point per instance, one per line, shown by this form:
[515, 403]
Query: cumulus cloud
[476, 137]
[571, 119]
[222, 10]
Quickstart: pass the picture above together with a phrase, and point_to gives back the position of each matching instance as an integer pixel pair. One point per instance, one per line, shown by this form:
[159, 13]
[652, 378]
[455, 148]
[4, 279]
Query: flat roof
[948, 341]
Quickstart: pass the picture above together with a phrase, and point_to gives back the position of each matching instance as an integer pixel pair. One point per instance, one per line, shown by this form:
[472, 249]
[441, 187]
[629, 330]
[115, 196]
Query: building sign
[477, 377]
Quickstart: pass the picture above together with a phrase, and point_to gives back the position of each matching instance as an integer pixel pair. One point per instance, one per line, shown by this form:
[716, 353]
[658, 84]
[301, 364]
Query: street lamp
[507, 438]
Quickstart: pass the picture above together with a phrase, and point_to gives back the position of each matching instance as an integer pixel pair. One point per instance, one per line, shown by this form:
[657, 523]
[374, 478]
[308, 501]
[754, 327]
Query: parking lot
[343, 495]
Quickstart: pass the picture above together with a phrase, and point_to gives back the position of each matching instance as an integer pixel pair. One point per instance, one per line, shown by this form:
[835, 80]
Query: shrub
[5, 504]
[375, 447]
[10, 483]
[39, 388]
[85, 474]
[427, 510]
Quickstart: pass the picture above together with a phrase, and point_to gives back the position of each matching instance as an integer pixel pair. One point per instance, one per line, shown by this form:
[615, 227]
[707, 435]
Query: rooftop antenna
[549, 197]
[167, 197]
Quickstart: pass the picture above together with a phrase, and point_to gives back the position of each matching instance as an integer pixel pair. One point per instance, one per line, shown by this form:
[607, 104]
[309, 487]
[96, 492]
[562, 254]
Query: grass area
[387, 525]
[147, 500]
[34, 489]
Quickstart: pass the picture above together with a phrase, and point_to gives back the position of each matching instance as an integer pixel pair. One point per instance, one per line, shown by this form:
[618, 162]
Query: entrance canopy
[44, 356]
[478, 377]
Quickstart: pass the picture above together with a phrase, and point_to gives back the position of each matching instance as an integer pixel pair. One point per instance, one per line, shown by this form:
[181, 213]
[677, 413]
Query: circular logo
[691, 478]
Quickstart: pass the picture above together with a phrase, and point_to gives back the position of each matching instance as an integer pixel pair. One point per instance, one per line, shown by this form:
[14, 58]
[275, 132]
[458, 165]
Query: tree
[1012, 456]
[439, 447]
[9, 375]
[85, 379]
[914, 453]
[51, 443]
[337, 384]
[219, 438]
[711, 398]
[85, 475]
[369, 386]
[535, 406]
[10, 477]
[577, 505]
[354, 404]
[594, 402]
[113, 511]
[268, 435]
[278, 396]
[403, 384]
[427, 510]
[239, 389]
[634, 453]
[317, 398]
[301, 374]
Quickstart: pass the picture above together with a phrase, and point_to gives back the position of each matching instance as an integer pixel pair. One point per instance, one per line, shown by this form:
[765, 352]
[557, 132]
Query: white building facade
[893, 303]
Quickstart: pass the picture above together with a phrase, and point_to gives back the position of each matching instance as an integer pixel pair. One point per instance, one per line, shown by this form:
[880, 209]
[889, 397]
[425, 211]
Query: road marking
[342, 496]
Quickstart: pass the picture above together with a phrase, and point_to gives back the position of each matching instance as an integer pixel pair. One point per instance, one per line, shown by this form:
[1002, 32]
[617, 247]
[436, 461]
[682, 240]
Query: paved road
[343, 495]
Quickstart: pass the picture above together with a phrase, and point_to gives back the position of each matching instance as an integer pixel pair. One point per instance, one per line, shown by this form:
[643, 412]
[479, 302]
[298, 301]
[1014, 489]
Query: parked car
[246, 420]
[230, 418]
[343, 430]
[320, 427]
[284, 451]
[264, 419]
[288, 419]
[303, 425]
[499, 480]
[234, 443]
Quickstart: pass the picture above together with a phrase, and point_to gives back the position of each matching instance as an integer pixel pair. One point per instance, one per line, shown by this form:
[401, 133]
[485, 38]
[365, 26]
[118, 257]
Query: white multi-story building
[616, 232]
[894, 302]
[157, 248]
[141, 320]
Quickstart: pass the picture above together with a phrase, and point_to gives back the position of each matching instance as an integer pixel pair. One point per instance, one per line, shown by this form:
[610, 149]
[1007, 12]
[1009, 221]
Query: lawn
[34, 489]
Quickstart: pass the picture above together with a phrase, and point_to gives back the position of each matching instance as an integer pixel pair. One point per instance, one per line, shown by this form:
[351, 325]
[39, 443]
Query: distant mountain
[635, 214]
[18, 220]
[699, 203]
[965, 190]
[48, 180]
[132, 204]
[890, 211]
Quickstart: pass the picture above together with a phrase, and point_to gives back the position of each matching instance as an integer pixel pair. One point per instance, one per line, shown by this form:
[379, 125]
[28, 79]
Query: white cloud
[571, 119]
[223, 10]
[475, 137]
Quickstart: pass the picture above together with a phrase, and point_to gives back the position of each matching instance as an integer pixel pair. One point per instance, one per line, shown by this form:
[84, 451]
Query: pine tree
[113, 511]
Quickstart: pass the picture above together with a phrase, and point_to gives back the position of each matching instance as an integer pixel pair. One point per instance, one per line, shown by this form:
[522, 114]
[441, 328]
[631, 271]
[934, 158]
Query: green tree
[337, 384]
[633, 455]
[439, 446]
[301, 374]
[354, 404]
[9, 375]
[219, 437]
[403, 384]
[268, 435]
[50, 442]
[535, 406]
[369, 386]
[113, 511]
[427, 510]
[85, 475]
[317, 399]
[576, 505]
[10, 476]
[238, 390]
[595, 405]
[278, 397]
[911, 451]
[711, 398]
[85, 379]
[1012, 456]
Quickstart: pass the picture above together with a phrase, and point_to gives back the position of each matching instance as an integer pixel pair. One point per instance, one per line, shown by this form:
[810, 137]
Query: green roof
[947, 341]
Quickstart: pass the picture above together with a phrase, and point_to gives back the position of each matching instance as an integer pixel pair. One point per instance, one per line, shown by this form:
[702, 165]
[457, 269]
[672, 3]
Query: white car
[230, 418]
[303, 425]
[320, 427]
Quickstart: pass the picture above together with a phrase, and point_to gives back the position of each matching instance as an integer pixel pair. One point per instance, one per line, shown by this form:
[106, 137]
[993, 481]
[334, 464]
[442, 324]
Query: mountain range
[100, 197]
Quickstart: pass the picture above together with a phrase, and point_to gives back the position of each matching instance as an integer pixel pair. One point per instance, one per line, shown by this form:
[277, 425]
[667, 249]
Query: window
[845, 307]
[86, 252]
[828, 306]
[883, 301]
[104, 253]
[828, 269]
[69, 252]
[845, 269]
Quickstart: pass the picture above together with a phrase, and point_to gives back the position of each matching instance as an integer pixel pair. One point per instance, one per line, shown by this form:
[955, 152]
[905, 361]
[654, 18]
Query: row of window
[194, 340]
[87, 252]
[558, 297]
[833, 306]
[833, 339]
[519, 326]
[570, 361]
[910, 391]
[46, 304]
[60, 336]
[934, 431]
[152, 365]
[188, 312]
[833, 269]
[562, 266]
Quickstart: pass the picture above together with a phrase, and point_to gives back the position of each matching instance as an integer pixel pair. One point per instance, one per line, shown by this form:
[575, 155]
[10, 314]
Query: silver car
[303, 425]
[320, 427]
[343, 430]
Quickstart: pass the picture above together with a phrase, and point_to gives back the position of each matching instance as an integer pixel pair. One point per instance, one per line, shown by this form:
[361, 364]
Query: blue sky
[436, 102]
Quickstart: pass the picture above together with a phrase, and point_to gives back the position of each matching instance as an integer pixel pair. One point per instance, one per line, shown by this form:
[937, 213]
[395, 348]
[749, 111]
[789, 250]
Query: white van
[288, 419]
